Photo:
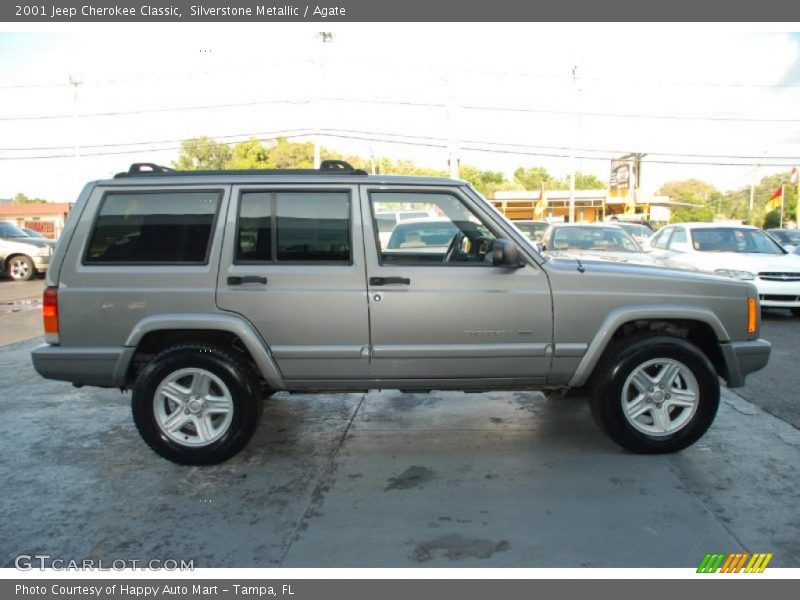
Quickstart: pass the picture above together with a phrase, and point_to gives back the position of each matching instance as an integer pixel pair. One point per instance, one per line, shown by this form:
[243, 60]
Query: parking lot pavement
[776, 388]
[20, 310]
[386, 479]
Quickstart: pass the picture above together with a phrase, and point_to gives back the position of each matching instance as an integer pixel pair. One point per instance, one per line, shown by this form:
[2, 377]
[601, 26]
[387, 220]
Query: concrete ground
[386, 479]
[20, 309]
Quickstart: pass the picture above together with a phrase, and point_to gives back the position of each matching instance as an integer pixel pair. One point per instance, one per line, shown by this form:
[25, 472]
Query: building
[47, 218]
[590, 206]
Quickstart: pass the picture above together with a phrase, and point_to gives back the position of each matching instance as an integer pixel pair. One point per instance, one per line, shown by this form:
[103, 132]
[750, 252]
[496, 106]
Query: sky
[503, 93]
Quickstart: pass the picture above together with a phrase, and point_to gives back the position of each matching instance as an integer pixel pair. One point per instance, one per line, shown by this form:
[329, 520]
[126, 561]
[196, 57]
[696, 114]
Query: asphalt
[387, 479]
[776, 388]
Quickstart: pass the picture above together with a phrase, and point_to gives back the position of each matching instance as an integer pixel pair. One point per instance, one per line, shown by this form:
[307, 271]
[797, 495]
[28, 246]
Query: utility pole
[75, 83]
[753, 174]
[453, 159]
[573, 158]
[326, 37]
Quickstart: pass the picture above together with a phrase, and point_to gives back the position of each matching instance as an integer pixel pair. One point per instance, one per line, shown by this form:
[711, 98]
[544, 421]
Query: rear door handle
[247, 279]
[389, 281]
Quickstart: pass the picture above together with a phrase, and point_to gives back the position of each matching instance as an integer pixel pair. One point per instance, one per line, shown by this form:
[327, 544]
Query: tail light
[50, 313]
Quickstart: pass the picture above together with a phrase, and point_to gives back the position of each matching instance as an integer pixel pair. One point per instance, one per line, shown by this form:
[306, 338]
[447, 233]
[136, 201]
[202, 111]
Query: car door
[293, 265]
[446, 321]
[672, 248]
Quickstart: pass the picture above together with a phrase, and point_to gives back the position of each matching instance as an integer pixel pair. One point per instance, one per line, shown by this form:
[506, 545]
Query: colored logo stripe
[734, 562]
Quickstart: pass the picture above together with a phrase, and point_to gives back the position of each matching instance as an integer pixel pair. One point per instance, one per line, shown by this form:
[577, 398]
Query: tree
[21, 198]
[699, 191]
[704, 196]
[203, 153]
[737, 202]
[533, 178]
[772, 219]
[486, 182]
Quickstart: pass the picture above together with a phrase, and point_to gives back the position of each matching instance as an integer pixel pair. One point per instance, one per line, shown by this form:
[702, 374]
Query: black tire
[234, 373]
[20, 268]
[620, 361]
[796, 312]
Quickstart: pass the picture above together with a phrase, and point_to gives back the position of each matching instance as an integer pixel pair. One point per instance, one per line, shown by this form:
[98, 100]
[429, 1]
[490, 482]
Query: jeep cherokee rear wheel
[655, 394]
[196, 404]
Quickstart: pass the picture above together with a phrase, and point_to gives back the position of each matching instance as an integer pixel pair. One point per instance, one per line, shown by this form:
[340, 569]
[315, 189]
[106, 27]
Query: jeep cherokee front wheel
[655, 394]
[196, 404]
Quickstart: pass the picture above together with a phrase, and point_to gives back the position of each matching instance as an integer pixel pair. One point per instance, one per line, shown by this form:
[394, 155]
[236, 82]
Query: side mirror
[506, 254]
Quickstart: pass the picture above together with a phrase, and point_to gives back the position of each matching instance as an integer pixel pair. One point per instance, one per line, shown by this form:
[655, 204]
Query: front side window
[431, 228]
[152, 228]
[293, 227]
[661, 238]
[678, 241]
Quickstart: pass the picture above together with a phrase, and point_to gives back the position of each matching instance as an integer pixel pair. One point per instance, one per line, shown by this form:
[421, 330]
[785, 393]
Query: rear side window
[294, 227]
[153, 228]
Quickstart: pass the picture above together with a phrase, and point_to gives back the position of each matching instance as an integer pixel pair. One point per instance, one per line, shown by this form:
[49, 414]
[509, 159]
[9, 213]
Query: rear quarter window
[153, 228]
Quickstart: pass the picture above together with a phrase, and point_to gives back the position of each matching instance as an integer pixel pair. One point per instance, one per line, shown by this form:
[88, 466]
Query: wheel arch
[696, 324]
[156, 332]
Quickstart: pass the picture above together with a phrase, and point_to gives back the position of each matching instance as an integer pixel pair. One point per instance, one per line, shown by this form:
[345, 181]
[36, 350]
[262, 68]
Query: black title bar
[400, 10]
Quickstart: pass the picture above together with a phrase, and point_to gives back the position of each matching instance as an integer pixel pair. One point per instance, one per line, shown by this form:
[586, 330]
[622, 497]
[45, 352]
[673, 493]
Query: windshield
[10, 231]
[636, 229]
[787, 236]
[611, 239]
[734, 239]
[532, 230]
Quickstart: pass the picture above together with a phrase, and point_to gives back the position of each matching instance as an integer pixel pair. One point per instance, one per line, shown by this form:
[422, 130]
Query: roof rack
[326, 167]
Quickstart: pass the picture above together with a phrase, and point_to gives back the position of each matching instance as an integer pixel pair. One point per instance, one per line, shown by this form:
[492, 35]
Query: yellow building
[590, 206]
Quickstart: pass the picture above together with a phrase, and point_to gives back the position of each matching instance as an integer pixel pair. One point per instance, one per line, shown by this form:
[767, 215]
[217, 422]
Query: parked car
[788, 238]
[426, 235]
[387, 220]
[593, 240]
[737, 251]
[37, 235]
[533, 230]
[641, 232]
[205, 291]
[21, 256]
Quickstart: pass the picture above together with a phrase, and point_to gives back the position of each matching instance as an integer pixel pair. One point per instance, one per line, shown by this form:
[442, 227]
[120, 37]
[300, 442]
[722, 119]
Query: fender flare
[234, 324]
[625, 314]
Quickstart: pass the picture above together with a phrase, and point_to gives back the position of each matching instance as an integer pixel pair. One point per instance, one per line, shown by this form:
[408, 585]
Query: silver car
[23, 256]
[205, 291]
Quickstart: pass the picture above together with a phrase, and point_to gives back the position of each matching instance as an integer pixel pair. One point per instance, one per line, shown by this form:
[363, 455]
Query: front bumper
[104, 367]
[778, 294]
[743, 358]
[41, 263]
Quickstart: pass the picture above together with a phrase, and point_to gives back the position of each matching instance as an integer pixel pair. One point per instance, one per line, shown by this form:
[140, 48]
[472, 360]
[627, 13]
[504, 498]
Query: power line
[298, 133]
[377, 101]
[421, 141]
[151, 142]
[611, 152]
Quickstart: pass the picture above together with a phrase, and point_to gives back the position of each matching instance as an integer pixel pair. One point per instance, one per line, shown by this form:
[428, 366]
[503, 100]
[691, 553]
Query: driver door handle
[235, 280]
[389, 281]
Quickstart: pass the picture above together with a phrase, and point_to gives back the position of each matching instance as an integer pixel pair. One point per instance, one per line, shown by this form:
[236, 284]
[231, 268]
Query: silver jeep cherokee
[206, 291]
